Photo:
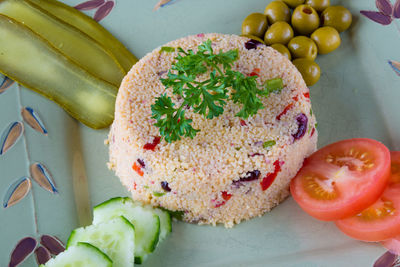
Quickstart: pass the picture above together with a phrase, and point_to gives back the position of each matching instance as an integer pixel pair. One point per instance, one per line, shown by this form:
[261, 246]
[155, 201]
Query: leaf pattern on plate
[88, 5]
[41, 175]
[396, 10]
[103, 11]
[395, 66]
[384, 6]
[17, 191]
[5, 84]
[388, 259]
[10, 136]
[42, 255]
[22, 250]
[162, 3]
[377, 17]
[33, 120]
[52, 244]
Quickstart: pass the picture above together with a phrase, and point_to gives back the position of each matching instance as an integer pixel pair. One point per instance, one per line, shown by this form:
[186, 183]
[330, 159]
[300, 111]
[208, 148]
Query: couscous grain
[225, 174]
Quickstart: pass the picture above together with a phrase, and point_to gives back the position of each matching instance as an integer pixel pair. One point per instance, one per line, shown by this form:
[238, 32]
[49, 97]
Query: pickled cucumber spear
[70, 41]
[91, 27]
[33, 62]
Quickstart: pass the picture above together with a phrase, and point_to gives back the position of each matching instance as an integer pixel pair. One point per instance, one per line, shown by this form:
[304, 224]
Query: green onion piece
[274, 85]
[238, 148]
[167, 49]
[269, 143]
[158, 194]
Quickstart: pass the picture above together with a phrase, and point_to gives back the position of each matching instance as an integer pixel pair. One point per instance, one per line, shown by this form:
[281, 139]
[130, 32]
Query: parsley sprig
[208, 97]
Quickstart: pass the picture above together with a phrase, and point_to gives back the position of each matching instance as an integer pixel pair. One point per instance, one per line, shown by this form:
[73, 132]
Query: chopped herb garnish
[208, 97]
[273, 85]
[269, 143]
[178, 214]
[311, 112]
[238, 148]
[168, 49]
[158, 194]
[145, 186]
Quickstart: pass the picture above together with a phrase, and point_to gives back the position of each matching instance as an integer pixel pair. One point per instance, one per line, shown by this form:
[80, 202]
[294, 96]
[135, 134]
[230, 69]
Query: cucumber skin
[128, 199]
[154, 242]
[105, 256]
[168, 222]
[84, 244]
[71, 236]
[114, 199]
[157, 235]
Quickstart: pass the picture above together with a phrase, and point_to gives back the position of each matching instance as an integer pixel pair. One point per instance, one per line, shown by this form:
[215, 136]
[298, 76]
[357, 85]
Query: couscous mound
[233, 169]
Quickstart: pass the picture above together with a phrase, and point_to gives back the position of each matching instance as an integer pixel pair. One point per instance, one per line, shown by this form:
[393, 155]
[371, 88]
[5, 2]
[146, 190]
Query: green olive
[308, 69]
[337, 17]
[283, 50]
[293, 3]
[303, 47]
[305, 19]
[318, 5]
[277, 11]
[253, 37]
[327, 39]
[279, 33]
[255, 24]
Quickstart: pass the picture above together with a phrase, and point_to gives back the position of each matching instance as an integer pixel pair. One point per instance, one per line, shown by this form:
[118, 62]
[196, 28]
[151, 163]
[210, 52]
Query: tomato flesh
[342, 179]
[381, 220]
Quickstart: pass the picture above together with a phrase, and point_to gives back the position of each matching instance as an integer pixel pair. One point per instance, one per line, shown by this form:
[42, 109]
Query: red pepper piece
[296, 98]
[312, 132]
[270, 177]
[226, 196]
[220, 204]
[255, 72]
[307, 95]
[137, 169]
[287, 108]
[152, 146]
[243, 123]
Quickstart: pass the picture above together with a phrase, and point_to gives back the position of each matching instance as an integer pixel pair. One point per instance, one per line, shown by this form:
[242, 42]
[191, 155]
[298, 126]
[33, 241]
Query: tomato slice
[381, 220]
[342, 179]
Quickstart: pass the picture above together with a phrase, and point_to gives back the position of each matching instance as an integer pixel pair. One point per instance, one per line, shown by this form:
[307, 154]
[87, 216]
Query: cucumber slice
[147, 224]
[31, 61]
[79, 47]
[81, 255]
[115, 238]
[165, 222]
[91, 27]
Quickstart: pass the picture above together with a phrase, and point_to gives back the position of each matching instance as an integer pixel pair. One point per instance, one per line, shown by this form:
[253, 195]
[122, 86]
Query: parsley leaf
[171, 122]
[208, 97]
[246, 93]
